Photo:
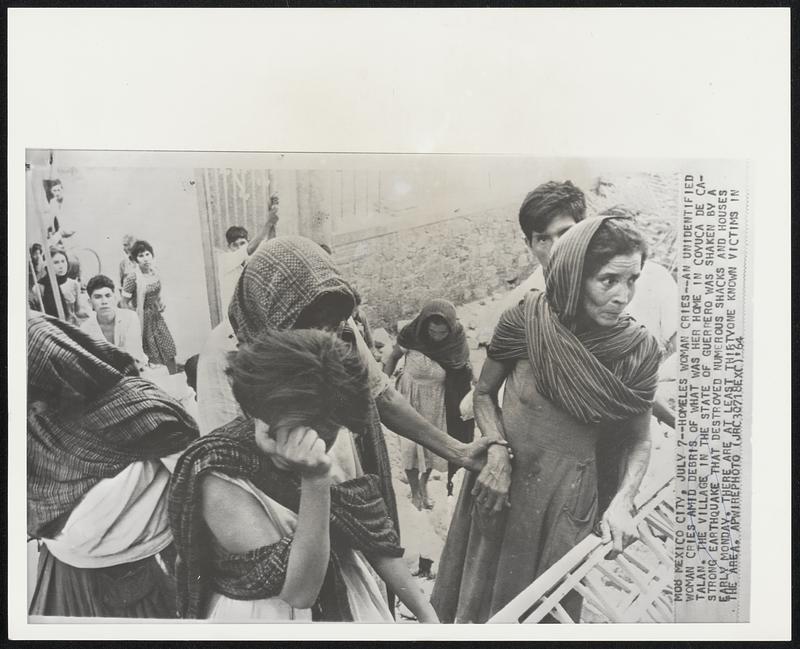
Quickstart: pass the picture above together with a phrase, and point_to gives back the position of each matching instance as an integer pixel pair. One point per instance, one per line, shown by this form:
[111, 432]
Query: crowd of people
[276, 502]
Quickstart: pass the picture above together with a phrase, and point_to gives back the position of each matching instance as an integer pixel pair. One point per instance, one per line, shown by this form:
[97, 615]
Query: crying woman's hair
[309, 375]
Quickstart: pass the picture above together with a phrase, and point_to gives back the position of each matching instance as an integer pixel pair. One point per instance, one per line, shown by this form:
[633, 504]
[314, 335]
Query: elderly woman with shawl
[100, 441]
[436, 375]
[580, 378]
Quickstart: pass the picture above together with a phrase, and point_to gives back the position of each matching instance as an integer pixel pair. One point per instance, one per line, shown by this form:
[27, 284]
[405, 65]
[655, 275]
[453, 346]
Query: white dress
[364, 595]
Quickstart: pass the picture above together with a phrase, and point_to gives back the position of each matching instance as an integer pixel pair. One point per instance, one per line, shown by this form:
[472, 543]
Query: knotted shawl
[599, 375]
[89, 417]
[452, 354]
[359, 520]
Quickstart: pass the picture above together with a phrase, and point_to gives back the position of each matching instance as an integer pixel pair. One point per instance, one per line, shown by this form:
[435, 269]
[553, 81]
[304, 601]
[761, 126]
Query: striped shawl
[600, 375]
[89, 417]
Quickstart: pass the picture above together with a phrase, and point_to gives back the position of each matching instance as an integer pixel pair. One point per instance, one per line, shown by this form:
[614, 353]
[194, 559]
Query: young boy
[120, 327]
[282, 495]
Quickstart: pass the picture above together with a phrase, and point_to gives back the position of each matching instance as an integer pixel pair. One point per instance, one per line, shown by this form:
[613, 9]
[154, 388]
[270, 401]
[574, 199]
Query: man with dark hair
[546, 213]
[119, 327]
[239, 248]
[553, 208]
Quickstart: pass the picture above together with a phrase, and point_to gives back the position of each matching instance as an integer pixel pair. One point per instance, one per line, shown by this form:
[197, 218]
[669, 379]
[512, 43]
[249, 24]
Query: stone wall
[460, 258]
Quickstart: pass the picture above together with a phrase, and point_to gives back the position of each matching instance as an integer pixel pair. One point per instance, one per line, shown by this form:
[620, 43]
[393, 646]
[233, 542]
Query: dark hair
[139, 247]
[234, 233]
[98, 281]
[58, 251]
[327, 310]
[614, 237]
[305, 373]
[55, 181]
[546, 202]
[35, 247]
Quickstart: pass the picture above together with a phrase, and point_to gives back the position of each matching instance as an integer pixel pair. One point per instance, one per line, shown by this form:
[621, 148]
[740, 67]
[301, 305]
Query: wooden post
[51, 275]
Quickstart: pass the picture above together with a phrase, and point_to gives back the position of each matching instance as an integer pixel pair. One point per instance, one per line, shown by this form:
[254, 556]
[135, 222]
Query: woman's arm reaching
[493, 482]
[617, 522]
[394, 571]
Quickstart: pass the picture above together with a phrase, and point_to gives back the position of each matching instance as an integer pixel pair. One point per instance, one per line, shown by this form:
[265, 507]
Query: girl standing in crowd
[580, 379]
[69, 290]
[437, 374]
[142, 293]
[273, 516]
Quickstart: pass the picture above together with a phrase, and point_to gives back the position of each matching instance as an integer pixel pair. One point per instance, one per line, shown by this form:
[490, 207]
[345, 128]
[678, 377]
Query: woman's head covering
[452, 353]
[600, 375]
[563, 273]
[93, 417]
[281, 278]
[67, 367]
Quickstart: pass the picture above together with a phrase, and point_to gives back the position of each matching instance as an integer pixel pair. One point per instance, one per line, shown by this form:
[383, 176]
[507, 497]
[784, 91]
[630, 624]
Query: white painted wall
[156, 204]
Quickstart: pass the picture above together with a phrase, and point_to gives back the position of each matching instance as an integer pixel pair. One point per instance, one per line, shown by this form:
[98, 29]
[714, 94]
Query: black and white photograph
[318, 337]
[375, 389]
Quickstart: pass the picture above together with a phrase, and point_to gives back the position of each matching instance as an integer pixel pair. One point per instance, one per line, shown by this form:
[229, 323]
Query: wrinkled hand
[494, 481]
[299, 449]
[472, 456]
[617, 526]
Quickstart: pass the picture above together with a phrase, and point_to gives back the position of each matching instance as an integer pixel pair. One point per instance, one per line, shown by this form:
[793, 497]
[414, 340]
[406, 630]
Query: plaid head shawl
[282, 277]
[600, 375]
[359, 520]
[89, 416]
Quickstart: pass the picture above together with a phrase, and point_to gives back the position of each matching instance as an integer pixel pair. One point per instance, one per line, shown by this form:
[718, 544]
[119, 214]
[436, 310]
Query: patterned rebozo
[359, 520]
[90, 417]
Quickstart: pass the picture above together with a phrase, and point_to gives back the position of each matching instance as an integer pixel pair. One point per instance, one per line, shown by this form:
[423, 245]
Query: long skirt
[488, 559]
[141, 589]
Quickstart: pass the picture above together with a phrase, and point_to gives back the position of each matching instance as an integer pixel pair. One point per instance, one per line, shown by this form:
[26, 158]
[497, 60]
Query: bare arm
[240, 524]
[267, 230]
[493, 482]
[662, 411]
[391, 362]
[394, 571]
[398, 415]
[617, 522]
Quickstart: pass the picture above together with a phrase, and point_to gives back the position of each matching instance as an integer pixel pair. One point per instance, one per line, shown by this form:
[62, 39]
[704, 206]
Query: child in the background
[273, 517]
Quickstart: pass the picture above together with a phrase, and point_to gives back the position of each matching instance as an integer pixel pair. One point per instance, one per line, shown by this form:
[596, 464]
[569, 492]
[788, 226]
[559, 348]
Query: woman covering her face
[273, 515]
[436, 376]
[580, 380]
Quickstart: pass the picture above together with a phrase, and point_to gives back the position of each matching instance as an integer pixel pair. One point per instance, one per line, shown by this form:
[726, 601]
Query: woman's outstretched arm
[617, 522]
